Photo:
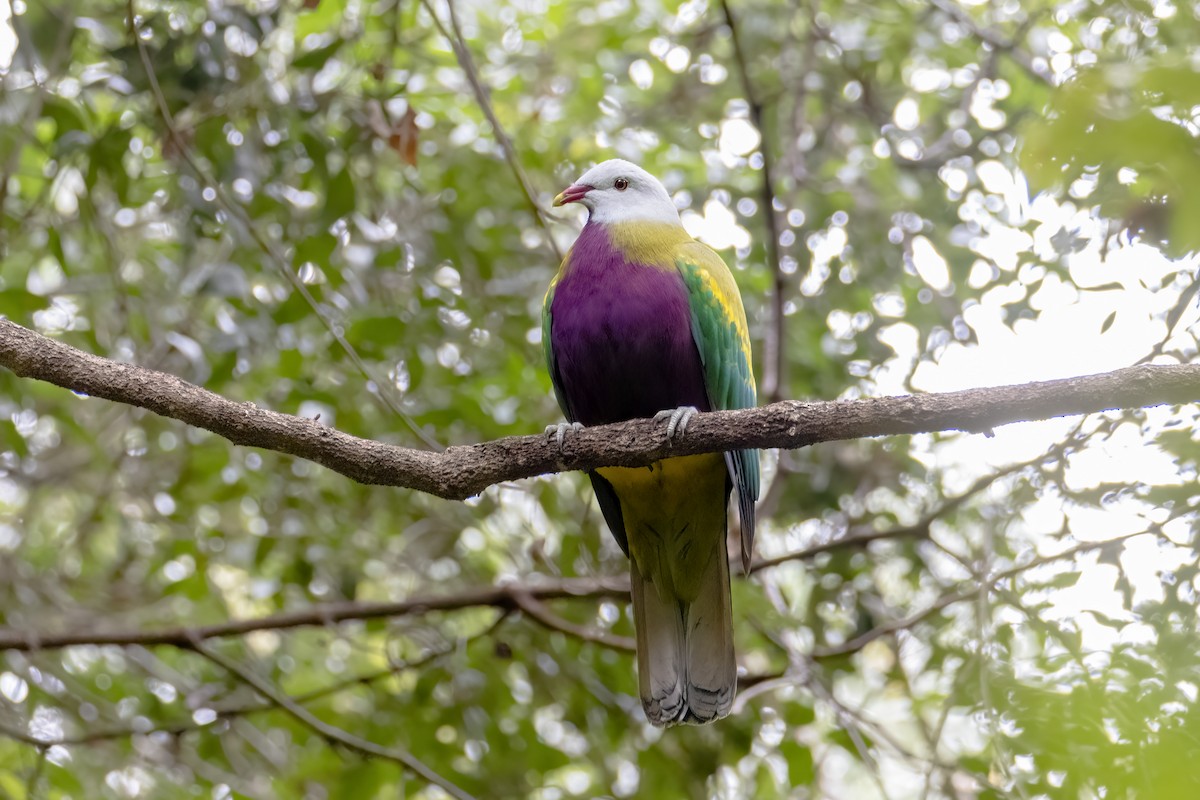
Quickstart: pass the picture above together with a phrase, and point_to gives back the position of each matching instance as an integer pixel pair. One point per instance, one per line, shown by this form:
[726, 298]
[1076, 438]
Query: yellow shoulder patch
[651, 243]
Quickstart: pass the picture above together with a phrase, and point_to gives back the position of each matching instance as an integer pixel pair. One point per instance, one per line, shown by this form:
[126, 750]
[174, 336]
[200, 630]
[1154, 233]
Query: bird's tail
[686, 667]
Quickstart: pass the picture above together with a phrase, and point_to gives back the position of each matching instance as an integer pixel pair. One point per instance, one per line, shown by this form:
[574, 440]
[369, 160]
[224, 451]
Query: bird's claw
[559, 431]
[677, 420]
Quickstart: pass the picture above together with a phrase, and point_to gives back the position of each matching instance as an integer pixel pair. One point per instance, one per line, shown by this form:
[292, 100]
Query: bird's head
[618, 191]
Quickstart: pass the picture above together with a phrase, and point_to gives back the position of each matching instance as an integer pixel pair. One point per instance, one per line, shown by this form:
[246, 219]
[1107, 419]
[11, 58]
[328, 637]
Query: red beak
[572, 194]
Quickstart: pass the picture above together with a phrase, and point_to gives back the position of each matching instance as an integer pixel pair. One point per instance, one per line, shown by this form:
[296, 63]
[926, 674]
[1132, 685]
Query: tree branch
[774, 344]
[458, 44]
[528, 599]
[330, 733]
[969, 591]
[539, 612]
[862, 535]
[463, 471]
[269, 248]
[502, 597]
[229, 712]
[994, 39]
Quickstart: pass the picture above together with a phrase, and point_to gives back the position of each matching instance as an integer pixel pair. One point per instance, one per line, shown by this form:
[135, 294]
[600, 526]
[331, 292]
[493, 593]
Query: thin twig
[774, 347]
[748, 689]
[458, 45]
[881, 733]
[19, 735]
[502, 597]
[331, 733]
[383, 388]
[257, 706]
[32, 113]
[918, 530]
[33, 784]
[904, 623]
[992, 38]
[1186, 301]
[969, 591]
[1001, 757]
[538, 611]
[862, 538]
[821, 692]
[947, 706]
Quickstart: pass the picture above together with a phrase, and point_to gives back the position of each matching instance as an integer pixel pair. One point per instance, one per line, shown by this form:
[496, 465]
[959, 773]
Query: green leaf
[1063, 580]
[11, 440]
[314, 59]
[799, 761]
[1108, 321]
[317, 248]
[375, 334]
[18, 303]
[340, 199]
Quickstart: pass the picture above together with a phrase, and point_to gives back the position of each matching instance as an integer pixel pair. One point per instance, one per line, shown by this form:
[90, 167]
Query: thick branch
[461, 472]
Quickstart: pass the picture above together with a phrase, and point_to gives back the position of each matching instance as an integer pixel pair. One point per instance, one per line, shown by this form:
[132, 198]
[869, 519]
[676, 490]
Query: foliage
[303, 205]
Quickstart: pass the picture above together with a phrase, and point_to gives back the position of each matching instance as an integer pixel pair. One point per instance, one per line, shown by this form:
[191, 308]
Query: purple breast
[622, 336]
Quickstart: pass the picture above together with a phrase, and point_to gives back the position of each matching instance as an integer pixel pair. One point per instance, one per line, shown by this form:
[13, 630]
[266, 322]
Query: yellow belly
[674, 513]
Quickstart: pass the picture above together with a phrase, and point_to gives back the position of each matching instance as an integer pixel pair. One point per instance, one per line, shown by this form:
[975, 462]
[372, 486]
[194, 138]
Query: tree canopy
[339, 210]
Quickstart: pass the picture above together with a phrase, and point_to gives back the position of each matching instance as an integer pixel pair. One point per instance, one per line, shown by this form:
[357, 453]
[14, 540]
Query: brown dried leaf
[404, 137]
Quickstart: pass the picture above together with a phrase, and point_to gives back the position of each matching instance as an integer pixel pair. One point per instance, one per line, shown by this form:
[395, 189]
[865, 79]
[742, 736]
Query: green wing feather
[719, 329]
[548, 350]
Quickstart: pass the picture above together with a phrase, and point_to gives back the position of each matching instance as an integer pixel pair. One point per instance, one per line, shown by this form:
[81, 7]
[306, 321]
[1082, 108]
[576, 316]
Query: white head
[618, 191]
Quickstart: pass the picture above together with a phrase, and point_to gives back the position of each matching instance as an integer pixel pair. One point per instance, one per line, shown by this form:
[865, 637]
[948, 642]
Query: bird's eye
[621, 184]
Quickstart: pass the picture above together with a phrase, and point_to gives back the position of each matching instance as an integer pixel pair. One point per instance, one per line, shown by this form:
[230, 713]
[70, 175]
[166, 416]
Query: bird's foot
[559, 431]
[677, 420]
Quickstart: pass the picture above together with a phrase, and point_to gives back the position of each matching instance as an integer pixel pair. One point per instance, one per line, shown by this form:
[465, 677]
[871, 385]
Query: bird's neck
[648, 242]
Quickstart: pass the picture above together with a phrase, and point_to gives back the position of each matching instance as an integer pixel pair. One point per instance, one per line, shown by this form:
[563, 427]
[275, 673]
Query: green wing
[719, 329]
[548, 350]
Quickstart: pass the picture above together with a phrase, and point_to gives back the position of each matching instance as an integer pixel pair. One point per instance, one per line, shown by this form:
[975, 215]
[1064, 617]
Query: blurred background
[341, 208]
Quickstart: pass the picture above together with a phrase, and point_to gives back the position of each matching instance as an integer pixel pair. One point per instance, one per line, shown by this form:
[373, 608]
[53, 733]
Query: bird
[640, 321]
